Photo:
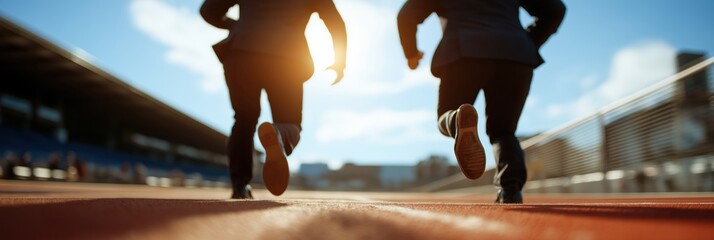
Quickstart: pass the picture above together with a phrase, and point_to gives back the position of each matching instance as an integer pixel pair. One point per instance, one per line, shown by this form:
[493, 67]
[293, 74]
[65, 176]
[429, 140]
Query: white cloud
[532, 101]
[633, 69]
[370, 83]
[383, 126]
[375, 62]
[373, 52]
[588, 82]
[554, 110]
[187, 36]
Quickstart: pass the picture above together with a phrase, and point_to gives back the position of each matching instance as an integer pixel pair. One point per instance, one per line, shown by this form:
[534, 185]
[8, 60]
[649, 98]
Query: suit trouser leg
[247, 74]
[506, 85]
[458, 85]
[286, 98]
[505, 97]
[244, 90]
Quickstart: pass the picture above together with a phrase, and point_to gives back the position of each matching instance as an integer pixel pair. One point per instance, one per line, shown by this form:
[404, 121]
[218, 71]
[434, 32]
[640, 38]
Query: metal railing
[634, 138]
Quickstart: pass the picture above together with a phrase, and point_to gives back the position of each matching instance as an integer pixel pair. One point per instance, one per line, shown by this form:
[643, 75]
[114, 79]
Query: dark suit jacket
[486, 29]
[271, 27]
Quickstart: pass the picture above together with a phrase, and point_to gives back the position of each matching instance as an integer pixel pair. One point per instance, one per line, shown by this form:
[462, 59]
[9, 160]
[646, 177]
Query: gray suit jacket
[486, 29]
[275, 27]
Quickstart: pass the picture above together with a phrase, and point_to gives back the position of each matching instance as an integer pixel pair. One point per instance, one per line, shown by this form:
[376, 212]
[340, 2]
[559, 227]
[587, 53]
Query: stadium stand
[54, 102]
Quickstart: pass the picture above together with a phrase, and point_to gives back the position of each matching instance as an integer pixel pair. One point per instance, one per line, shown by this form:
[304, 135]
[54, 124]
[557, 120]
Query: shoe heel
[267, 135]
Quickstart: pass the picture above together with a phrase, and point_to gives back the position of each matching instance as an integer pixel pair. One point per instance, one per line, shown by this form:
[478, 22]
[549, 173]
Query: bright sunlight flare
[320, 43]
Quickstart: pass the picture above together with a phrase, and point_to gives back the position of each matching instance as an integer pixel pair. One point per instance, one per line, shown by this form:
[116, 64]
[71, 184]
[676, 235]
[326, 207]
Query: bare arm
[548, 16]
[214, 12]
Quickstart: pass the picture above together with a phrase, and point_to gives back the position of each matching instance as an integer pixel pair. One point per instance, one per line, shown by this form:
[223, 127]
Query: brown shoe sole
[468, 149]
[276, 173]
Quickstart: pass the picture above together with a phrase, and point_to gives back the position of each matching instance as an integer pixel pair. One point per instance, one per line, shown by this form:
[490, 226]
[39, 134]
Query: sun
[320, 43]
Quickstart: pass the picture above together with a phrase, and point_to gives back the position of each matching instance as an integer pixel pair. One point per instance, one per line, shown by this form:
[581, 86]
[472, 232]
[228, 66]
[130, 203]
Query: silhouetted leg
[459, 85]
[505, 98]
[286, 99]
[280, 138]
[245, 99]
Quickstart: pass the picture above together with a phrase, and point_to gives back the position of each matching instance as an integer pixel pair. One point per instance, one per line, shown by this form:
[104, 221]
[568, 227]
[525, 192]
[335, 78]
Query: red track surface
[37, 210]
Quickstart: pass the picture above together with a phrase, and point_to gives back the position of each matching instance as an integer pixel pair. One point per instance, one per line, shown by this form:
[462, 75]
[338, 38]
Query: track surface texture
[47, 210]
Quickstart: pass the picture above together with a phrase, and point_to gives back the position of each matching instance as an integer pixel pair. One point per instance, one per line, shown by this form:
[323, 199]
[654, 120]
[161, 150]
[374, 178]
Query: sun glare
[320, 43]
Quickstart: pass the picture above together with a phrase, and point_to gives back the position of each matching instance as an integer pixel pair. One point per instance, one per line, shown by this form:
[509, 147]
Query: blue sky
[381, 113]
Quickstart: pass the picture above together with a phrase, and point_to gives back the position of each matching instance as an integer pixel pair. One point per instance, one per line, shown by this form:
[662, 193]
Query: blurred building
[434, 168]
[355, 177]
[53, 101]
[313, 175]
[352, 177]
[396, 177]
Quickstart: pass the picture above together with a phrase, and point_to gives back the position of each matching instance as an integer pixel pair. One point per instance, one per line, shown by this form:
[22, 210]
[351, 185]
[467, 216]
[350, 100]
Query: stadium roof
[54, 70]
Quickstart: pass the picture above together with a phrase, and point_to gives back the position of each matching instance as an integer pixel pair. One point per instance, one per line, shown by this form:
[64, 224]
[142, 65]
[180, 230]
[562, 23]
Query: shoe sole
[468, 149]
[276, 173]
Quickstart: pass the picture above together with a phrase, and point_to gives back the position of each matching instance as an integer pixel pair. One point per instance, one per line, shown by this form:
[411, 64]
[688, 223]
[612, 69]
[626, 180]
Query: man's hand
[340, 70]
[413, 62]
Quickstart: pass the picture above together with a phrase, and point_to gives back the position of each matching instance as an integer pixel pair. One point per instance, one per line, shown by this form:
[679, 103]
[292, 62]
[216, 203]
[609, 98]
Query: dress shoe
[276, 173]
[467, 147]
[509, 196]
[242, 193]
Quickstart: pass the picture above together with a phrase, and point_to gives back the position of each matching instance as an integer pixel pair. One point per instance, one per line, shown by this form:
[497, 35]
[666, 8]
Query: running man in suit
[483, 47]
[266, 50]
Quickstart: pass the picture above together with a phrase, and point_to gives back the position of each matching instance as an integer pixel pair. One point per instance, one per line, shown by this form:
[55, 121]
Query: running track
[47, 210]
